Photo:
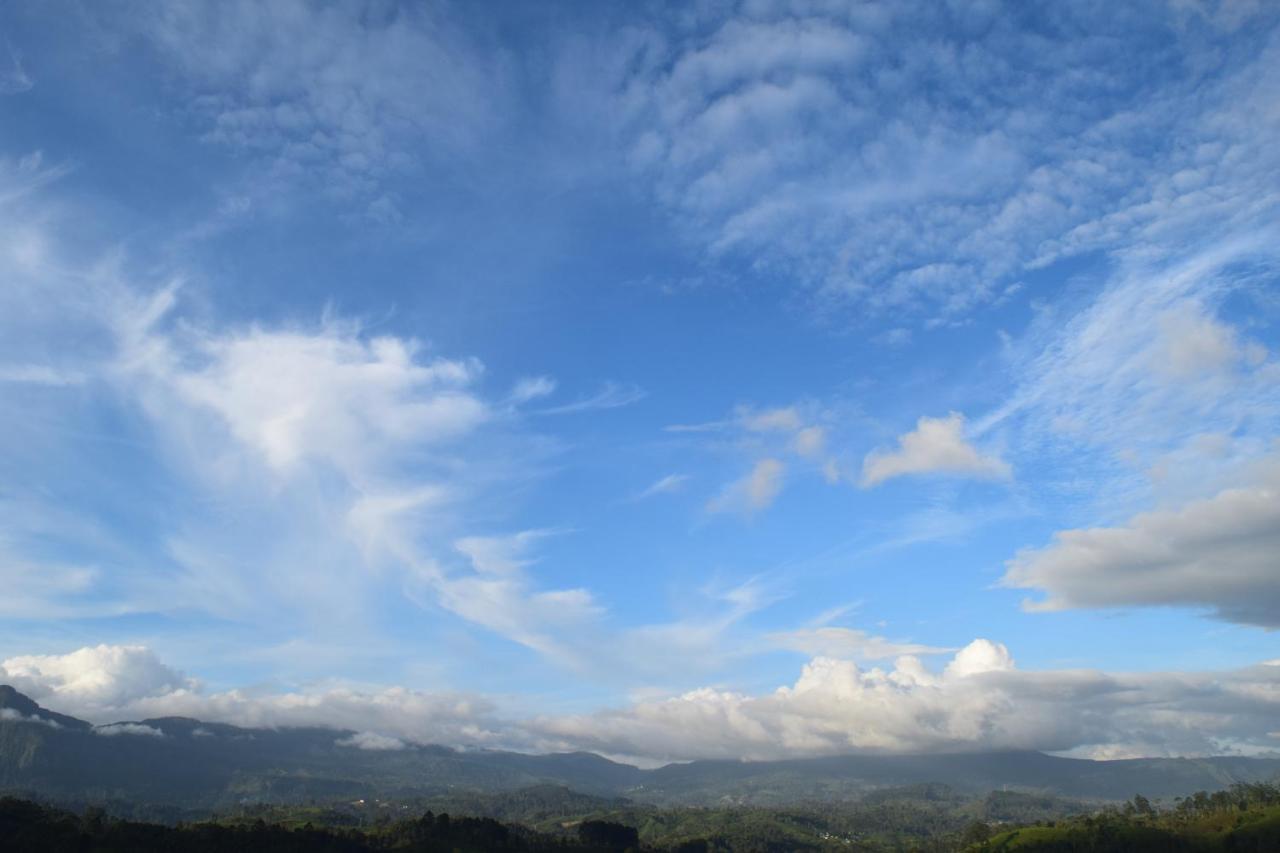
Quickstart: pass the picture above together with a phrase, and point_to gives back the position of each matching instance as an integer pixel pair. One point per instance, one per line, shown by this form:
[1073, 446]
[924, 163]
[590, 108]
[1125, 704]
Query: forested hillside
[1243, 818]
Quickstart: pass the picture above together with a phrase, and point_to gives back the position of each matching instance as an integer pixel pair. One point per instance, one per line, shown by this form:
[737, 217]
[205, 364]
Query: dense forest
[1245, 817]
[29, 826]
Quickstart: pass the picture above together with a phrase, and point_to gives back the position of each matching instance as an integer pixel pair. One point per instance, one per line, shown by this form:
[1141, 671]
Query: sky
[707, 380]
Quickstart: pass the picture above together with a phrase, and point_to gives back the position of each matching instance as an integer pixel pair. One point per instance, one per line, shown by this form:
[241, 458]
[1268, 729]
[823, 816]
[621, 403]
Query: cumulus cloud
[1218, 553]
[979, 701]
[95, 679]
[936, 445]
[978, 657]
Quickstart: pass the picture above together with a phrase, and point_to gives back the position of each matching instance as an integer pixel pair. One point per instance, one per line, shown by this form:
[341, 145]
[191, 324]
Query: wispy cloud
[612, 395]
[39, 374]
[667, 485]
[848, 644]
[531, 388]
[14, 79]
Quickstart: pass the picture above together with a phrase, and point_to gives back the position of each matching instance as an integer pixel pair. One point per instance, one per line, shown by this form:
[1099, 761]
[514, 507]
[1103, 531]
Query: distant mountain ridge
[194, 764]
[12, 700]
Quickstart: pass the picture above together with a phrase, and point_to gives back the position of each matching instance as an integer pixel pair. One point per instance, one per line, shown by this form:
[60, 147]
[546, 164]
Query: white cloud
[11, 715]
[47, 589]
[369, 97]
[705, 638]
[39, 374]
[375, 517]
[105, 683]
[764, 483]
[978, 657]
[936, 445]
[1217, 553]
[1116, 404]
[498, 594]
[1193, 344]
[350, 459]
[408, 715]
[925, 178]
[768, 435]
[372, 741]
[329, 397]
[531, 388]
[771, 420]
[979, 700]
[116, 729]
[811, 441]
[500, 555]
[848, 644]
[94, 678]
[754, 492]
[14, 80]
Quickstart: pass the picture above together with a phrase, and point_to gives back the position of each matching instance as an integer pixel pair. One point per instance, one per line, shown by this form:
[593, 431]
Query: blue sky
[726, 380]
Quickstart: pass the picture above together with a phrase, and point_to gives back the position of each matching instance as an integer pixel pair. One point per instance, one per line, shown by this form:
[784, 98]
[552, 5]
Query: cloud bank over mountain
[978, 700]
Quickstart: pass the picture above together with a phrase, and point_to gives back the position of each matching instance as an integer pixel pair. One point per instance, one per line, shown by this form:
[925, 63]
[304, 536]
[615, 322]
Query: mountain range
[207, 766]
